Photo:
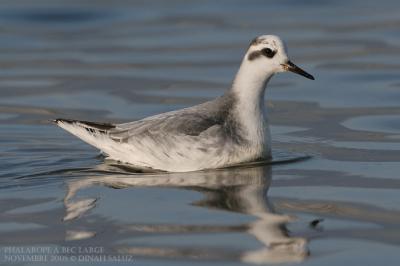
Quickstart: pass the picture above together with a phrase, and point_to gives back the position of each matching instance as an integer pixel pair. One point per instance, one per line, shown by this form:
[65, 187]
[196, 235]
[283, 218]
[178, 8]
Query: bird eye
[268, 52]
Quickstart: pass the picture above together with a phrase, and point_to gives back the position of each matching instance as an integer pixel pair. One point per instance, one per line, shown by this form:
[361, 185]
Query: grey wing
[211, 119]
[183, 141]
[169, 125]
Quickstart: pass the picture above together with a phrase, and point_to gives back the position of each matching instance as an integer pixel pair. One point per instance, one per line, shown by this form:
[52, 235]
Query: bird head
[269, 53]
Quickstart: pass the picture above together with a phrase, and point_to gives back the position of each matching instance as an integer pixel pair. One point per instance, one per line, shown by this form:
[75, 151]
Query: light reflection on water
[240, 190]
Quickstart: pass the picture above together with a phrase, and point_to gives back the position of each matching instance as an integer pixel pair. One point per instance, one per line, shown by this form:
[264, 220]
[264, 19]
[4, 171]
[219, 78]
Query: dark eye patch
[268, 52]
[254, 55]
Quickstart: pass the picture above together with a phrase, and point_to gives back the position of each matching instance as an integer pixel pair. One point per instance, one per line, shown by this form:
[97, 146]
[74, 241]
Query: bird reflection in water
[240, 189]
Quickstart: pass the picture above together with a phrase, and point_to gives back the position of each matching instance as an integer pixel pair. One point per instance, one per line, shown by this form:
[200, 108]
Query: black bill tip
[289, 66]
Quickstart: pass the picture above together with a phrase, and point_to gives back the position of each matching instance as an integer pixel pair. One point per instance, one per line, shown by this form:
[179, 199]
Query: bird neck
[249, 87]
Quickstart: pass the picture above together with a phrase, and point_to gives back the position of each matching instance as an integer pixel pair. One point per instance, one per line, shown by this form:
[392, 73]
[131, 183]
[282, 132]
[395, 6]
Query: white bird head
[268, 53]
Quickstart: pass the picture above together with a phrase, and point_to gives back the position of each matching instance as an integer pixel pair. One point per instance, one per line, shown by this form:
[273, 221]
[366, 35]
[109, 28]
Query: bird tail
[95, 134]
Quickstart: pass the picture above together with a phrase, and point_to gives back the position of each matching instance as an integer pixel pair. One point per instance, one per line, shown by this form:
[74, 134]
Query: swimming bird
[226, 131]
